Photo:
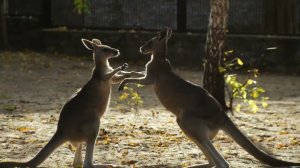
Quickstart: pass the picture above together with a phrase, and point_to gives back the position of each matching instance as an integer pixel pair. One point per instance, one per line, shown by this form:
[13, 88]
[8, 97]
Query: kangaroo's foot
[103, 166]
[208, 165]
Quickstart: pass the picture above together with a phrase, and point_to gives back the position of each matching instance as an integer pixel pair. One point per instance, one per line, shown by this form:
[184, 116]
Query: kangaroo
[80, 117]
[198, 114]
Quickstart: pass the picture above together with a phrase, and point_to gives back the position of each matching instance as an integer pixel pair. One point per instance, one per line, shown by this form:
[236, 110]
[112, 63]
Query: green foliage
[81, 6]
[9, 107]
[248, 90]
[132, 98]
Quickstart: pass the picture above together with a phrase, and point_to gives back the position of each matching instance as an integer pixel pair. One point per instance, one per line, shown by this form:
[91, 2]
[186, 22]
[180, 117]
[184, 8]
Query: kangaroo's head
[158, 43]
[101, 52]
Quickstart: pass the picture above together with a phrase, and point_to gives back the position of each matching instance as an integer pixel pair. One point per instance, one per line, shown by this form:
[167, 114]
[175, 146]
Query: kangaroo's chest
[168, 96]
[102, 97]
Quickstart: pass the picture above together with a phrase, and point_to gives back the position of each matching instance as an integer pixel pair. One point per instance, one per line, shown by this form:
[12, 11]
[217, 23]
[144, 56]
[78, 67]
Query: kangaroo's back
[198, 114]
[179, 96]
[80, 117]
[94, 95]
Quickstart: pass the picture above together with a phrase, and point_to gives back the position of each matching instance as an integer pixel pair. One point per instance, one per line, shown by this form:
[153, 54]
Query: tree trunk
[3, 35]
[282, 17]
[213, 80]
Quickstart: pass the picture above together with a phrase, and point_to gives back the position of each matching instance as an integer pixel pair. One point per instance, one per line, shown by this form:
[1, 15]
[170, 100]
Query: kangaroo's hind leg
[200, 133]
[88, 161]
[90, 145]
[78, 157]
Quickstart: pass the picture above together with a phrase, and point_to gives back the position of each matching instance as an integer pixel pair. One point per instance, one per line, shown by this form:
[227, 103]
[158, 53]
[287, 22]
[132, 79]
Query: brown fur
[80, 117]
[198, 114]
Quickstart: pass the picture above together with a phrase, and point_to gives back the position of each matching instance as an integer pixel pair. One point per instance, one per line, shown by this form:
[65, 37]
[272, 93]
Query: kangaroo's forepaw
[120, 88]
[124, 66]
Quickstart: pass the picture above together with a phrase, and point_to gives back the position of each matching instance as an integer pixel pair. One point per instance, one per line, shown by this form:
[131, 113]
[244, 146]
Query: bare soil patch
[34, 87]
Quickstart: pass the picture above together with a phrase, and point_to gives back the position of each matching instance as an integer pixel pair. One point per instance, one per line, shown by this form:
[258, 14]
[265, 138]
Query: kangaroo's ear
[88, 44]
[163, 34]
[169, 33]
[97, 41]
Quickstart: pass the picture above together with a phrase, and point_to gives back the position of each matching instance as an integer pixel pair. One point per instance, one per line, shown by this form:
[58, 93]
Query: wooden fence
[247, 17]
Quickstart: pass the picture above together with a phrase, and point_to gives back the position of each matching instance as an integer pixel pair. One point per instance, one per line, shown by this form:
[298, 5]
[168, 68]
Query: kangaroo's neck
[160, 55]
[161, 52]
[100, 69]
[161, 63]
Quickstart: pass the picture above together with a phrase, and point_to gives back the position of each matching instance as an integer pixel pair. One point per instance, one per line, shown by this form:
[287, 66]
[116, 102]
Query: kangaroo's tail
[54, 142]
[230, 128]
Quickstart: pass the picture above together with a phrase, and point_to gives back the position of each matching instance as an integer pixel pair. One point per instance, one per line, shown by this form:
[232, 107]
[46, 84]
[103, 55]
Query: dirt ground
[34, 87]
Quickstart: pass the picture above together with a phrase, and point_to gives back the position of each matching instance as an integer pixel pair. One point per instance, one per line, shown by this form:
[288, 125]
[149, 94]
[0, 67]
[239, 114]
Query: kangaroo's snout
[117, 53]
[157, 43]
[108, 52]
[101, 51]
[148, 47]
[114, 52]
[143, 50]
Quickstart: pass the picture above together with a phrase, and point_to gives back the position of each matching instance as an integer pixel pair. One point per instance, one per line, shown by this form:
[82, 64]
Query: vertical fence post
[46, 16]
[181, 15]
[3, 32]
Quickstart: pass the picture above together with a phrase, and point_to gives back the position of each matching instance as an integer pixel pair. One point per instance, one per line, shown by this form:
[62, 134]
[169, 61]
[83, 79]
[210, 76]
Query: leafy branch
[132, 98]
[81, 6]
[247, 90]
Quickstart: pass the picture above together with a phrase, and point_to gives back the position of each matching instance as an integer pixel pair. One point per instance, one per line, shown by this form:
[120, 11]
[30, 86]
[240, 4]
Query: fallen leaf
[24, 129]
[10, 107]
[283, 133]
